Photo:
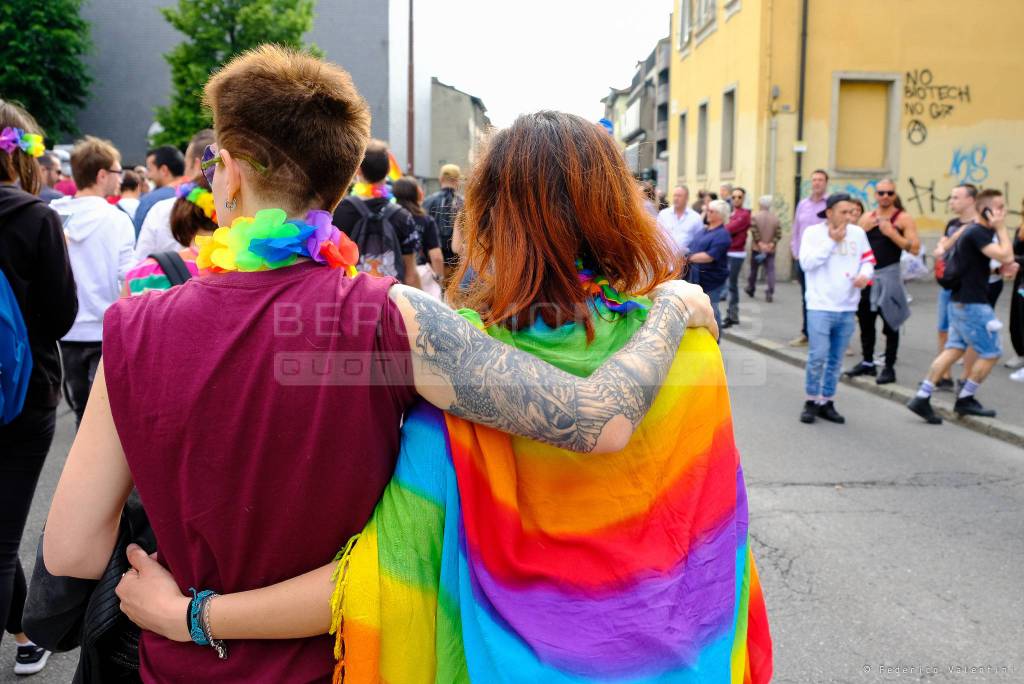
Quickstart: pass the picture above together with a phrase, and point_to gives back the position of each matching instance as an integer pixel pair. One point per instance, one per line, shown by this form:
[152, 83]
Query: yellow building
[922, 91]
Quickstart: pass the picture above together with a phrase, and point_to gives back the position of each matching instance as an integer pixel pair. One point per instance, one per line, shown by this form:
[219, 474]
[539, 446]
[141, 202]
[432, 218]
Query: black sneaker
[749, 291]
[944, 385]
[922, 406]
[862, 368]
[30, 659]
[729, 322]
[969, 406]
[829, 413]
[809, 413]
[887, 376]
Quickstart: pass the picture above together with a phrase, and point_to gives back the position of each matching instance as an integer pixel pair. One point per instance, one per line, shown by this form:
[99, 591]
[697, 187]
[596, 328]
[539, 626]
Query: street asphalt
[888, 549]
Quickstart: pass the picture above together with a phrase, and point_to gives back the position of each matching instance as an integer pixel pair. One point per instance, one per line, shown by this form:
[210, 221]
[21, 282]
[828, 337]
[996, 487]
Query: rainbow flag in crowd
[493, 558]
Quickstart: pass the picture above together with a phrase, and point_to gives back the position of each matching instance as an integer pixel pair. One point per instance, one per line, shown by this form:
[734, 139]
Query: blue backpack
[15, 354]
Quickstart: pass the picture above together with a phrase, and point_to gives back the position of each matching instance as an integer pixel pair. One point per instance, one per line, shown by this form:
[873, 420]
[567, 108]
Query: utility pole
[410, 122]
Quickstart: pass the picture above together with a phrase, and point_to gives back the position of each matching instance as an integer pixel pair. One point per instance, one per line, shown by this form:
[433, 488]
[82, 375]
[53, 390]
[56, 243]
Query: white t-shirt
[680, 228]
[830, 267]
[155, 235]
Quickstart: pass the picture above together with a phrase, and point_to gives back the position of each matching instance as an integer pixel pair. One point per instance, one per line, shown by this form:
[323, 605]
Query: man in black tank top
[890, 231]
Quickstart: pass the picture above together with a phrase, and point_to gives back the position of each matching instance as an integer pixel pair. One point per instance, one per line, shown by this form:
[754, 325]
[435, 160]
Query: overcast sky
[537, 54]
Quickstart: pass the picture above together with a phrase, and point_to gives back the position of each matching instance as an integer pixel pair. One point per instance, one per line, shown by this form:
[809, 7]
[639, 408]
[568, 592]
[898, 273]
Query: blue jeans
[735, 266]
[716, 296]
[828, 333]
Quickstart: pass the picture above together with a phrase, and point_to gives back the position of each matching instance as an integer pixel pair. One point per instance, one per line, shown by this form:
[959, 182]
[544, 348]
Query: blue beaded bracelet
[195, 611]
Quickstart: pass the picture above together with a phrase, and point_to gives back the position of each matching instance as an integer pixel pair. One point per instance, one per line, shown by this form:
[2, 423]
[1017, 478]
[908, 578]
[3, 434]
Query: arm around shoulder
[464, 371]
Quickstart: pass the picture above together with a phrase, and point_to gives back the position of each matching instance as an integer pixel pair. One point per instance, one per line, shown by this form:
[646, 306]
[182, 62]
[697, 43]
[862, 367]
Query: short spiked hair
[297, 120]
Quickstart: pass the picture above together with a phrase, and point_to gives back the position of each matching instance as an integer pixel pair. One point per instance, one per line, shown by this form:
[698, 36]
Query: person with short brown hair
[92, 156]
[100, 240]
[972, 321]
[295, 462]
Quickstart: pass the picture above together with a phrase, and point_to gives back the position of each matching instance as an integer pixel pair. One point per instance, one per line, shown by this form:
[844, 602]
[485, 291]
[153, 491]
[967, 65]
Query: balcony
[661, 95]
[664, 56]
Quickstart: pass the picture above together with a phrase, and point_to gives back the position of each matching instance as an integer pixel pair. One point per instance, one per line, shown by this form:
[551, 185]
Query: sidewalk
[769, 327]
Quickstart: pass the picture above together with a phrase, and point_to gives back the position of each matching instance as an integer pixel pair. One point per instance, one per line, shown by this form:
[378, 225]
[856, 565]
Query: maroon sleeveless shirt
[260, 435]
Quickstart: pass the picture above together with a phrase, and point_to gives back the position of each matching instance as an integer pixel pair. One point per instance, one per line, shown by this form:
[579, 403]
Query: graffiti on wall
[968, 164]
[924, 198]
[926, 100]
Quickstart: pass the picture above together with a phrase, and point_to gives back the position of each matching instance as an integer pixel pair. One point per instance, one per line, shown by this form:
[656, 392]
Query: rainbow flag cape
[492, 558]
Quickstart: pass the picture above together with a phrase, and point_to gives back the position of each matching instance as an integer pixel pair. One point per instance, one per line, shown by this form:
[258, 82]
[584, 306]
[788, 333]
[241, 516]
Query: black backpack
[443, 208]
[380, 252]
[953, 273]
[173, 267]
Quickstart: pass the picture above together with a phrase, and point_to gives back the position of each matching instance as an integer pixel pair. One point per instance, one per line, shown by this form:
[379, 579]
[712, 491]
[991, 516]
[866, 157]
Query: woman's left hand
[151, 598]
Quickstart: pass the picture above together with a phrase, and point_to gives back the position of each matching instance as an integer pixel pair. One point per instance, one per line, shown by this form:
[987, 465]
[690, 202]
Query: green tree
[216, 31]
[42, 43]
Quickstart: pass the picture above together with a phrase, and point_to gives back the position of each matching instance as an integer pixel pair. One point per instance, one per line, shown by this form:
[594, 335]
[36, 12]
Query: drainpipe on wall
[798, 179]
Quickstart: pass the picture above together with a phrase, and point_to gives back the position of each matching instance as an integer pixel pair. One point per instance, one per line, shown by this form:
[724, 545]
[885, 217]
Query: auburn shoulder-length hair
[549, 190]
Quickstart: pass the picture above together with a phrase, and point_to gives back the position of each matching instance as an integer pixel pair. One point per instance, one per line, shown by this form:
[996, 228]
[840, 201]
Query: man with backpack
[961, 203]
[384, 232]
[972, 321]
[443, 206]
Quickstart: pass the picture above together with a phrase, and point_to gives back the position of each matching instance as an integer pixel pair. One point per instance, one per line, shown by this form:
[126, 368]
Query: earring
[231, 204]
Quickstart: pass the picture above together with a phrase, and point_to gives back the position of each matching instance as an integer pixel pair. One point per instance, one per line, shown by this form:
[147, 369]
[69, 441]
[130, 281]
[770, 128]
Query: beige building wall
[919, 90]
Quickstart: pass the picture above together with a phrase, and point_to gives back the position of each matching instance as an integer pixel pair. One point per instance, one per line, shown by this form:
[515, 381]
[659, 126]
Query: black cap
[834, 199]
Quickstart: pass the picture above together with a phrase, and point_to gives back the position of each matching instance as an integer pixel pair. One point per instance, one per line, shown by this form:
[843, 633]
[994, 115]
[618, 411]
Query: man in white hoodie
[838, 263]
[100, 241]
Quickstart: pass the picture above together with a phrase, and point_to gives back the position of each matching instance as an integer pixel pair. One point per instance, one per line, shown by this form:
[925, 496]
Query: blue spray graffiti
[968, 166]
[865, 193]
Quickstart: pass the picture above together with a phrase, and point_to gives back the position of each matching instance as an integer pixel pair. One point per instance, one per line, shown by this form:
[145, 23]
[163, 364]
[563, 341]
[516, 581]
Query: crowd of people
[849, 263]
[175, 306]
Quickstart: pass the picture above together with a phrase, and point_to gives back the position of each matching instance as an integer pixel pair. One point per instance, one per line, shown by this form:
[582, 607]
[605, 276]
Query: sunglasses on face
[885, 193]
[210, 159]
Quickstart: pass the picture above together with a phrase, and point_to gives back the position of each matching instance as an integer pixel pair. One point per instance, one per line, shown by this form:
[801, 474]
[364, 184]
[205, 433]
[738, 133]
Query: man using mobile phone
[891, 231]
[971, 317]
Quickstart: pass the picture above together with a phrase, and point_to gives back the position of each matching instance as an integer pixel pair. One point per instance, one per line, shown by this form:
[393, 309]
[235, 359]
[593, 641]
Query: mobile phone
[987, 213]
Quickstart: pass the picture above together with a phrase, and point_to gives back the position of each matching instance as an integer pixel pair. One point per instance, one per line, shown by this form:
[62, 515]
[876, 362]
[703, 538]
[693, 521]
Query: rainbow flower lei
[268, 240]
[369, 191]
[598, 287]
[13, 138]
[199, 196]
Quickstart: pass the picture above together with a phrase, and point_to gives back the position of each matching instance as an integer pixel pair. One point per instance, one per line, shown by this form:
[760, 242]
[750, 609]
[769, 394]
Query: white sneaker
[1015, 363]
[30, 659]
[1017, 375]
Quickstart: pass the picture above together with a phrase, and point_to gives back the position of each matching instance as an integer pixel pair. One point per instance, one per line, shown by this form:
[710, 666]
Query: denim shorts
[943, 306]
[967, 328]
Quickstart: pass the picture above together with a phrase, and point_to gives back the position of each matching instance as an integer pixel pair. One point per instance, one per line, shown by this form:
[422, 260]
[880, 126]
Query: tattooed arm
[465, 372]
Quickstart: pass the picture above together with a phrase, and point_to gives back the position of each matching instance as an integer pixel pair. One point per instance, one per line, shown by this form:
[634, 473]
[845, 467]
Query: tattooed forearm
[496, 385]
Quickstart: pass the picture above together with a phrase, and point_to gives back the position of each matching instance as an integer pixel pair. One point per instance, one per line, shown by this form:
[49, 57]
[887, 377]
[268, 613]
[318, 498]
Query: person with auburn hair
[34, 263]
[294, 461]
[495, 558]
